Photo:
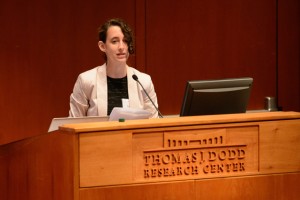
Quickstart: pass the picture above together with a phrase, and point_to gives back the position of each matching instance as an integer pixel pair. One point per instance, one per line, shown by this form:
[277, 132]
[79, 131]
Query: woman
[99, 90]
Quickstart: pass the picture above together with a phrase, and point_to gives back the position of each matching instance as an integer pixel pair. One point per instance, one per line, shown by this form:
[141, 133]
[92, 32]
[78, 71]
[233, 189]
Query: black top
[117, 89]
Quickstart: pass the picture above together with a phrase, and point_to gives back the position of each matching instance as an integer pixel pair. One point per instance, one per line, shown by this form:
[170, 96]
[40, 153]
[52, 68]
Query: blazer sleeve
[82, 94]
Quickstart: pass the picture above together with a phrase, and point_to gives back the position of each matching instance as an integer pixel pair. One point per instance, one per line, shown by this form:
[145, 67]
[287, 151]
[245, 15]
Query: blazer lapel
[102, 90]
[133, 90]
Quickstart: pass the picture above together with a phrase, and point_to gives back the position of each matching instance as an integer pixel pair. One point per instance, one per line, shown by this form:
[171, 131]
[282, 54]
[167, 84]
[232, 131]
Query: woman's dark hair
[102, 32]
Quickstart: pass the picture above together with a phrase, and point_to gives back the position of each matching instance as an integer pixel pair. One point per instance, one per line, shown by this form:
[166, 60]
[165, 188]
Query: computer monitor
[223, 96]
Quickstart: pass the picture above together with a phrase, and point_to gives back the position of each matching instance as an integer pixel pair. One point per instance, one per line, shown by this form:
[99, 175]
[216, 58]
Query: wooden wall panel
[190, 40]
[44, 45]
[289, 54]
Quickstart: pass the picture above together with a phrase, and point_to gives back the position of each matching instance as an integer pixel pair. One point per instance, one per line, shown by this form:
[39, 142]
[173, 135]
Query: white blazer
[89, 97]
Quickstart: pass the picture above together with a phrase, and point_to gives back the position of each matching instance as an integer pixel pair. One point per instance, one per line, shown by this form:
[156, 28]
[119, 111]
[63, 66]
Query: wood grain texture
[179, 121]
[274, 187]
[258, 187]
[44, 47]
[91, 164]
[176, 190]
[41, 167]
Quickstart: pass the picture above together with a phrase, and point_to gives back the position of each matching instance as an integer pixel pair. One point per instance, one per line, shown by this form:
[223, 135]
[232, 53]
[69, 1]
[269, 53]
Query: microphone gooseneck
[137, 80]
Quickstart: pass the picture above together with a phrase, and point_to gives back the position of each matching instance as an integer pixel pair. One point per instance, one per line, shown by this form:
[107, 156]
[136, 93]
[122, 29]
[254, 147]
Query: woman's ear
[101, 46]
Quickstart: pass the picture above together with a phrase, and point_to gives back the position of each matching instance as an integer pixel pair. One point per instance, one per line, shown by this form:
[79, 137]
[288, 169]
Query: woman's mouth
[121, 55]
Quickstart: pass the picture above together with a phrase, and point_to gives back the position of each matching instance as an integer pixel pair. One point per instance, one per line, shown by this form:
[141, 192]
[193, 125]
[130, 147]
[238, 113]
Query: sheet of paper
[128, 113]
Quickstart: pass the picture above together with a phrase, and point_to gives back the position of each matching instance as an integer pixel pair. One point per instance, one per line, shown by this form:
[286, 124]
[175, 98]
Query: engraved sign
[197, 153]
[194, 162]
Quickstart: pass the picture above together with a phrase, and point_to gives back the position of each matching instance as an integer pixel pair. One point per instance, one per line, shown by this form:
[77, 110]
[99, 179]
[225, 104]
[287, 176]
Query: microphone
[137, 80]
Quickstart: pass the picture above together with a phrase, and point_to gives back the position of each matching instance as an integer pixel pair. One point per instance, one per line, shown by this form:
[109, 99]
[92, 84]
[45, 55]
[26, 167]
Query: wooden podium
[237, 156]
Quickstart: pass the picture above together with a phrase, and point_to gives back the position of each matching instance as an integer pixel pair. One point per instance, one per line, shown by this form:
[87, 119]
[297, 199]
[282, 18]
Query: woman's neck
[116, 71]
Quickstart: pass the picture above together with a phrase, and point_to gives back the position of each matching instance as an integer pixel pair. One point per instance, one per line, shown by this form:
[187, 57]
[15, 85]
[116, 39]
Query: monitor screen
[223, 96]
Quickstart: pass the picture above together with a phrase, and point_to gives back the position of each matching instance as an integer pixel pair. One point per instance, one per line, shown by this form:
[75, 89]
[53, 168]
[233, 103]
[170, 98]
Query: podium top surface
[178, 121]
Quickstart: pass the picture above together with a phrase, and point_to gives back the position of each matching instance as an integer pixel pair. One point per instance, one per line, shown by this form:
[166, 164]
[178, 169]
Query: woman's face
[115, 46]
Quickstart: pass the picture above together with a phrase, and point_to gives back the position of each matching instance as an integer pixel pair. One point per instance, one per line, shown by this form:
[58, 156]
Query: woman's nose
[121, 45]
